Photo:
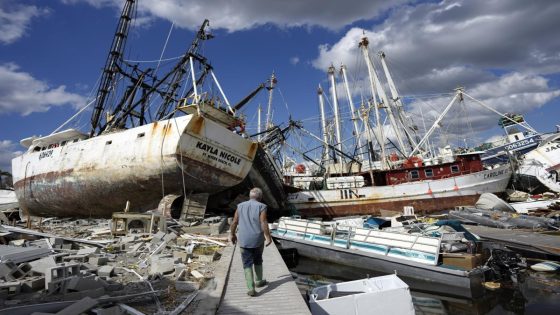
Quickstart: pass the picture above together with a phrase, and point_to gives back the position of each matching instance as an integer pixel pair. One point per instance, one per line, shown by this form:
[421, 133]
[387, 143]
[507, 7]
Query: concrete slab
[127, 239]
[157, 237]
[169, 237]
[22, 254]
[10, 288]
[180, 256]
[197, 274]
[98, 260]
[32, 284]
[113, 310]
[162, 265]
[43, 264]
[79, 307]
[206, 258]
[88, 251]
[6, 269]
[84, 284]
[105, 271]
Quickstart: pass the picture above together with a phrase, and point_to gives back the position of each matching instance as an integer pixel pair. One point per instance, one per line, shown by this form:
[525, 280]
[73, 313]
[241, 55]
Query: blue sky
[504, 52]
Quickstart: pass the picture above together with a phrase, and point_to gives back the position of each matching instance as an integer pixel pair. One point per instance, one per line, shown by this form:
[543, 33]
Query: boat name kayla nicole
[212, 151]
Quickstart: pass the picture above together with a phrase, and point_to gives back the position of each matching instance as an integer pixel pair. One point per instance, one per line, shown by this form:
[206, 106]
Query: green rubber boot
[260, 282]
[250, 281]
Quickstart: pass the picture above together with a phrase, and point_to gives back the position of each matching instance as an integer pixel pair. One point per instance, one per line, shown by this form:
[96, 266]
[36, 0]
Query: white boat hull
[429, 195]
[97, 176]
[8, 199]
[543, 164]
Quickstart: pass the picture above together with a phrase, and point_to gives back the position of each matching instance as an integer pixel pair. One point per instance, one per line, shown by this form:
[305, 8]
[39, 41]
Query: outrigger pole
[111, 65]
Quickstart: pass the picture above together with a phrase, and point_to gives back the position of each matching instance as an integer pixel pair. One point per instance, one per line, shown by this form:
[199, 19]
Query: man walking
[253, 230]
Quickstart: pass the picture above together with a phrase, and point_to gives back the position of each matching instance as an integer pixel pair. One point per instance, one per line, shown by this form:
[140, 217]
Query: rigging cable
[164, 46]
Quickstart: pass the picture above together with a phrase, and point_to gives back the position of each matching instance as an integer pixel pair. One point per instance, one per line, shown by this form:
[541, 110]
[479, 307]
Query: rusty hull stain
[252, 150]
[198, 124]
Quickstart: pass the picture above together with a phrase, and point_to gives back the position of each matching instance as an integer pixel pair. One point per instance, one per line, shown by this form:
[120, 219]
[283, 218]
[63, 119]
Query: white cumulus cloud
[8, 151]
[21, 93]
[241, 15]
[15, 20]
[502, 52]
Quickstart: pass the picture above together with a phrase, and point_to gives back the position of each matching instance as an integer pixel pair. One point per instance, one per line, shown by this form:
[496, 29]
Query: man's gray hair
[256, 193]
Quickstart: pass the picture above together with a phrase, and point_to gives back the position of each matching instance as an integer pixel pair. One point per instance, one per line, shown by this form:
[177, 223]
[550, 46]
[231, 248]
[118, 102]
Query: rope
[182, 165]
[156, 60]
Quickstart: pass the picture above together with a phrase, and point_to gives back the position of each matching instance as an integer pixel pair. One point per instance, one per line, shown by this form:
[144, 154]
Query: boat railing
[419, 248]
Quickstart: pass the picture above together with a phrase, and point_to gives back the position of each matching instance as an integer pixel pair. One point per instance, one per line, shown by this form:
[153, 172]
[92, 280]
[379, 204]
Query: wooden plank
[280, 296]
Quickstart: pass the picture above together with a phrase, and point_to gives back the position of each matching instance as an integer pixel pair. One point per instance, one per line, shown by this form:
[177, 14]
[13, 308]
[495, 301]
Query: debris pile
[507, 220]
[152, 265]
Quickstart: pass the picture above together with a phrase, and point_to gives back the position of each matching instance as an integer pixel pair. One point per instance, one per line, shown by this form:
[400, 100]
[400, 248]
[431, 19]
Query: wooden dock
[280, 296]
[537, 243]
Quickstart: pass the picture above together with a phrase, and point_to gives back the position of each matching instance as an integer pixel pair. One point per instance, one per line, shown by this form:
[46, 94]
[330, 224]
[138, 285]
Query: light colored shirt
[249, 232]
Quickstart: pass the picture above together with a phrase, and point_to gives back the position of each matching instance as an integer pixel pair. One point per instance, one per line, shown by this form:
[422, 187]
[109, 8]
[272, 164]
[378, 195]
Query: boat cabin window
[429, 172]
[36, 149]
[454, 169]
[75, 140]
[109, 142]
[414, 174]
[140, 135]
[63, 142]
[43, 148]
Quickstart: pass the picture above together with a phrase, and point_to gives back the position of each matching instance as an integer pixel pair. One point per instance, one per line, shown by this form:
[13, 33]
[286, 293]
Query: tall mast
[352, 109]
[272, 84]
[458, 96]
[323, 124]
[111, 67]
[381, 138]
[365, 119]
[259, 111]
[408, 129]
[336, 113]
[382, 95]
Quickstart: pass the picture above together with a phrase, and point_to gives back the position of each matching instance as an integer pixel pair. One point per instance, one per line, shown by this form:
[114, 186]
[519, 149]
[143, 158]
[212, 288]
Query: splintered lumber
[206, 239]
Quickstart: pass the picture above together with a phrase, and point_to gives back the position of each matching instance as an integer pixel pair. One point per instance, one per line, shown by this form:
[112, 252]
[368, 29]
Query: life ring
[237, 124]
[414, 161]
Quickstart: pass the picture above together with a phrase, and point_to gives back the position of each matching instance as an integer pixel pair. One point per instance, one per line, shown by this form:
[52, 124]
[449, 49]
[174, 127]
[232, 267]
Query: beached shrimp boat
[192, 143]
[69, 174]
[429, 188]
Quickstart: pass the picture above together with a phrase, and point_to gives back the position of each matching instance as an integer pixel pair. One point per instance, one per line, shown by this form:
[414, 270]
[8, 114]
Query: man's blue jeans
[251, 256]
